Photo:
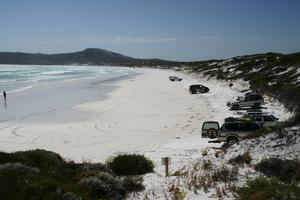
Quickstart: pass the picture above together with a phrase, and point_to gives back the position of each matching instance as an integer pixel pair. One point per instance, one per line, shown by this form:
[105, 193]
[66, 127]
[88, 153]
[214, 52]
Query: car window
[210, 125]
[258, 119]
[248, 126]
[274, 118]
[231, 126]
[253, 97]
[268, 119]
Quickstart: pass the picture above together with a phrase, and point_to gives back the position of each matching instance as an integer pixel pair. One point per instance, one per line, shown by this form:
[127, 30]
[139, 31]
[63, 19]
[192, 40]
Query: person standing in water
[4, 95]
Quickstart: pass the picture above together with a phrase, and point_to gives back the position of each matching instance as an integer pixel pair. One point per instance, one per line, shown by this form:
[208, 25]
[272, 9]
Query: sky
[181, 30]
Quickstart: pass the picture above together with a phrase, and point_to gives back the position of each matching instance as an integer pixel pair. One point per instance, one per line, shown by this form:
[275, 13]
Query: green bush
[133, 183]
[38, 158]
[264, 189]
[45, 175]
[284, 170]
[104, 184]
[130, 164]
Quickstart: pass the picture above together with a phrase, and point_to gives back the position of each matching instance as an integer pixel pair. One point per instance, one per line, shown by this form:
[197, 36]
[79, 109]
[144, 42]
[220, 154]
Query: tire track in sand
[15, 131]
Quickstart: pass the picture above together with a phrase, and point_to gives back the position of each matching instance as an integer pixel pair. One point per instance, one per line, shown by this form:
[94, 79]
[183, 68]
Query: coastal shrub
[181, 172]
[38, 158]
[133, 183]
[44, 175]
[262, 131]
[224, 174]
[263, 189]
[176, 192]
[88, 166]
[130, 164]
[241, 159]
[19, 167]
[205, 151]
[16, 184]
[284, 170]
[206, 165]
[104, 184]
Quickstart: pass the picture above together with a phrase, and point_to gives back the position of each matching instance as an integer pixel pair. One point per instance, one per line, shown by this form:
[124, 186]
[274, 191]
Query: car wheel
[256, 106]
[235, 107]
[212, 133]
[232, 140]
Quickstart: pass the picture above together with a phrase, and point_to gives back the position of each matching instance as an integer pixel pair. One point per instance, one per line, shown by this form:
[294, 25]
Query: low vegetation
[130, 164]
[40, 174]
[284, 170]
[262, 131]
[268, 189]
[224, 174]
[241, 159]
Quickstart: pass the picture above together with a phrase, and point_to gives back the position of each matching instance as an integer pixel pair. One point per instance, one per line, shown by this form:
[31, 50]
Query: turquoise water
[19, 77]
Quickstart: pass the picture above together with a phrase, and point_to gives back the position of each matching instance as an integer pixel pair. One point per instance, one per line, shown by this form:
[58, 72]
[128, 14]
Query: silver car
[251, 100]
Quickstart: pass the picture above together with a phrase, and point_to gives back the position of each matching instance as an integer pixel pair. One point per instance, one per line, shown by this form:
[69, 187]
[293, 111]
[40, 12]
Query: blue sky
[167, 29]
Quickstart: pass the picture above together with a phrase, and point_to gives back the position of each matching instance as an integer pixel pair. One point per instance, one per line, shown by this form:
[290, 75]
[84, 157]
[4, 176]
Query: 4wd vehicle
[250, 101]
[195, 89]
[230, 132]
[174, 78]
[252, 112]
[264, 120]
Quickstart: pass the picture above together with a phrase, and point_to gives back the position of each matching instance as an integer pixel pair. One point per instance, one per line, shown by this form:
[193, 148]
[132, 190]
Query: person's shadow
[5, 105]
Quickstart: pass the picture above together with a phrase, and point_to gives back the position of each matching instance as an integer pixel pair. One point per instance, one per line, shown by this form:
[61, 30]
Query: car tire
[212, 133]
[235, 107]
[232, 140]
[256, 106]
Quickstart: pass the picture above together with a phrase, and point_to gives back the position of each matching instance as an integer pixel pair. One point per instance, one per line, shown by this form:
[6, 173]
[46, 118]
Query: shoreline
[46, 97]
[64, 81]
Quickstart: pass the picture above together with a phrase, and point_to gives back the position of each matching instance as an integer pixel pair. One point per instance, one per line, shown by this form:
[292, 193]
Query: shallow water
[15, 78]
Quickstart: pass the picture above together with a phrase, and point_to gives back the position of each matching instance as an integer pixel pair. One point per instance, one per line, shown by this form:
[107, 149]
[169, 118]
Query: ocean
[15, 78]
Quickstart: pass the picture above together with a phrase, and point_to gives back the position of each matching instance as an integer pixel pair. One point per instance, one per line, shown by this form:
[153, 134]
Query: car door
[208, 127]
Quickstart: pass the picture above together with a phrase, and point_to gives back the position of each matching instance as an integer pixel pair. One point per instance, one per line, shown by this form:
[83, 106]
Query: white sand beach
[132, 114]
[91, 119]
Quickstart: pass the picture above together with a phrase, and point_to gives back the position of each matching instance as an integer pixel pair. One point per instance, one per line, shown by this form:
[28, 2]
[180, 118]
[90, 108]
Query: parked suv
[250, 101]
[263, 120]
[195, 89]
[174, 78]
[230, 132]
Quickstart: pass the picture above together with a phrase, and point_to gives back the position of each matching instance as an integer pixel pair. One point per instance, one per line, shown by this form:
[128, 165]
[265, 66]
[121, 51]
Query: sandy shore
[89, 120]
[103, 118]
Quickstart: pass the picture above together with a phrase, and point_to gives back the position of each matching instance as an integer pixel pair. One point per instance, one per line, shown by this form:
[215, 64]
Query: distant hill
[90, 56]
